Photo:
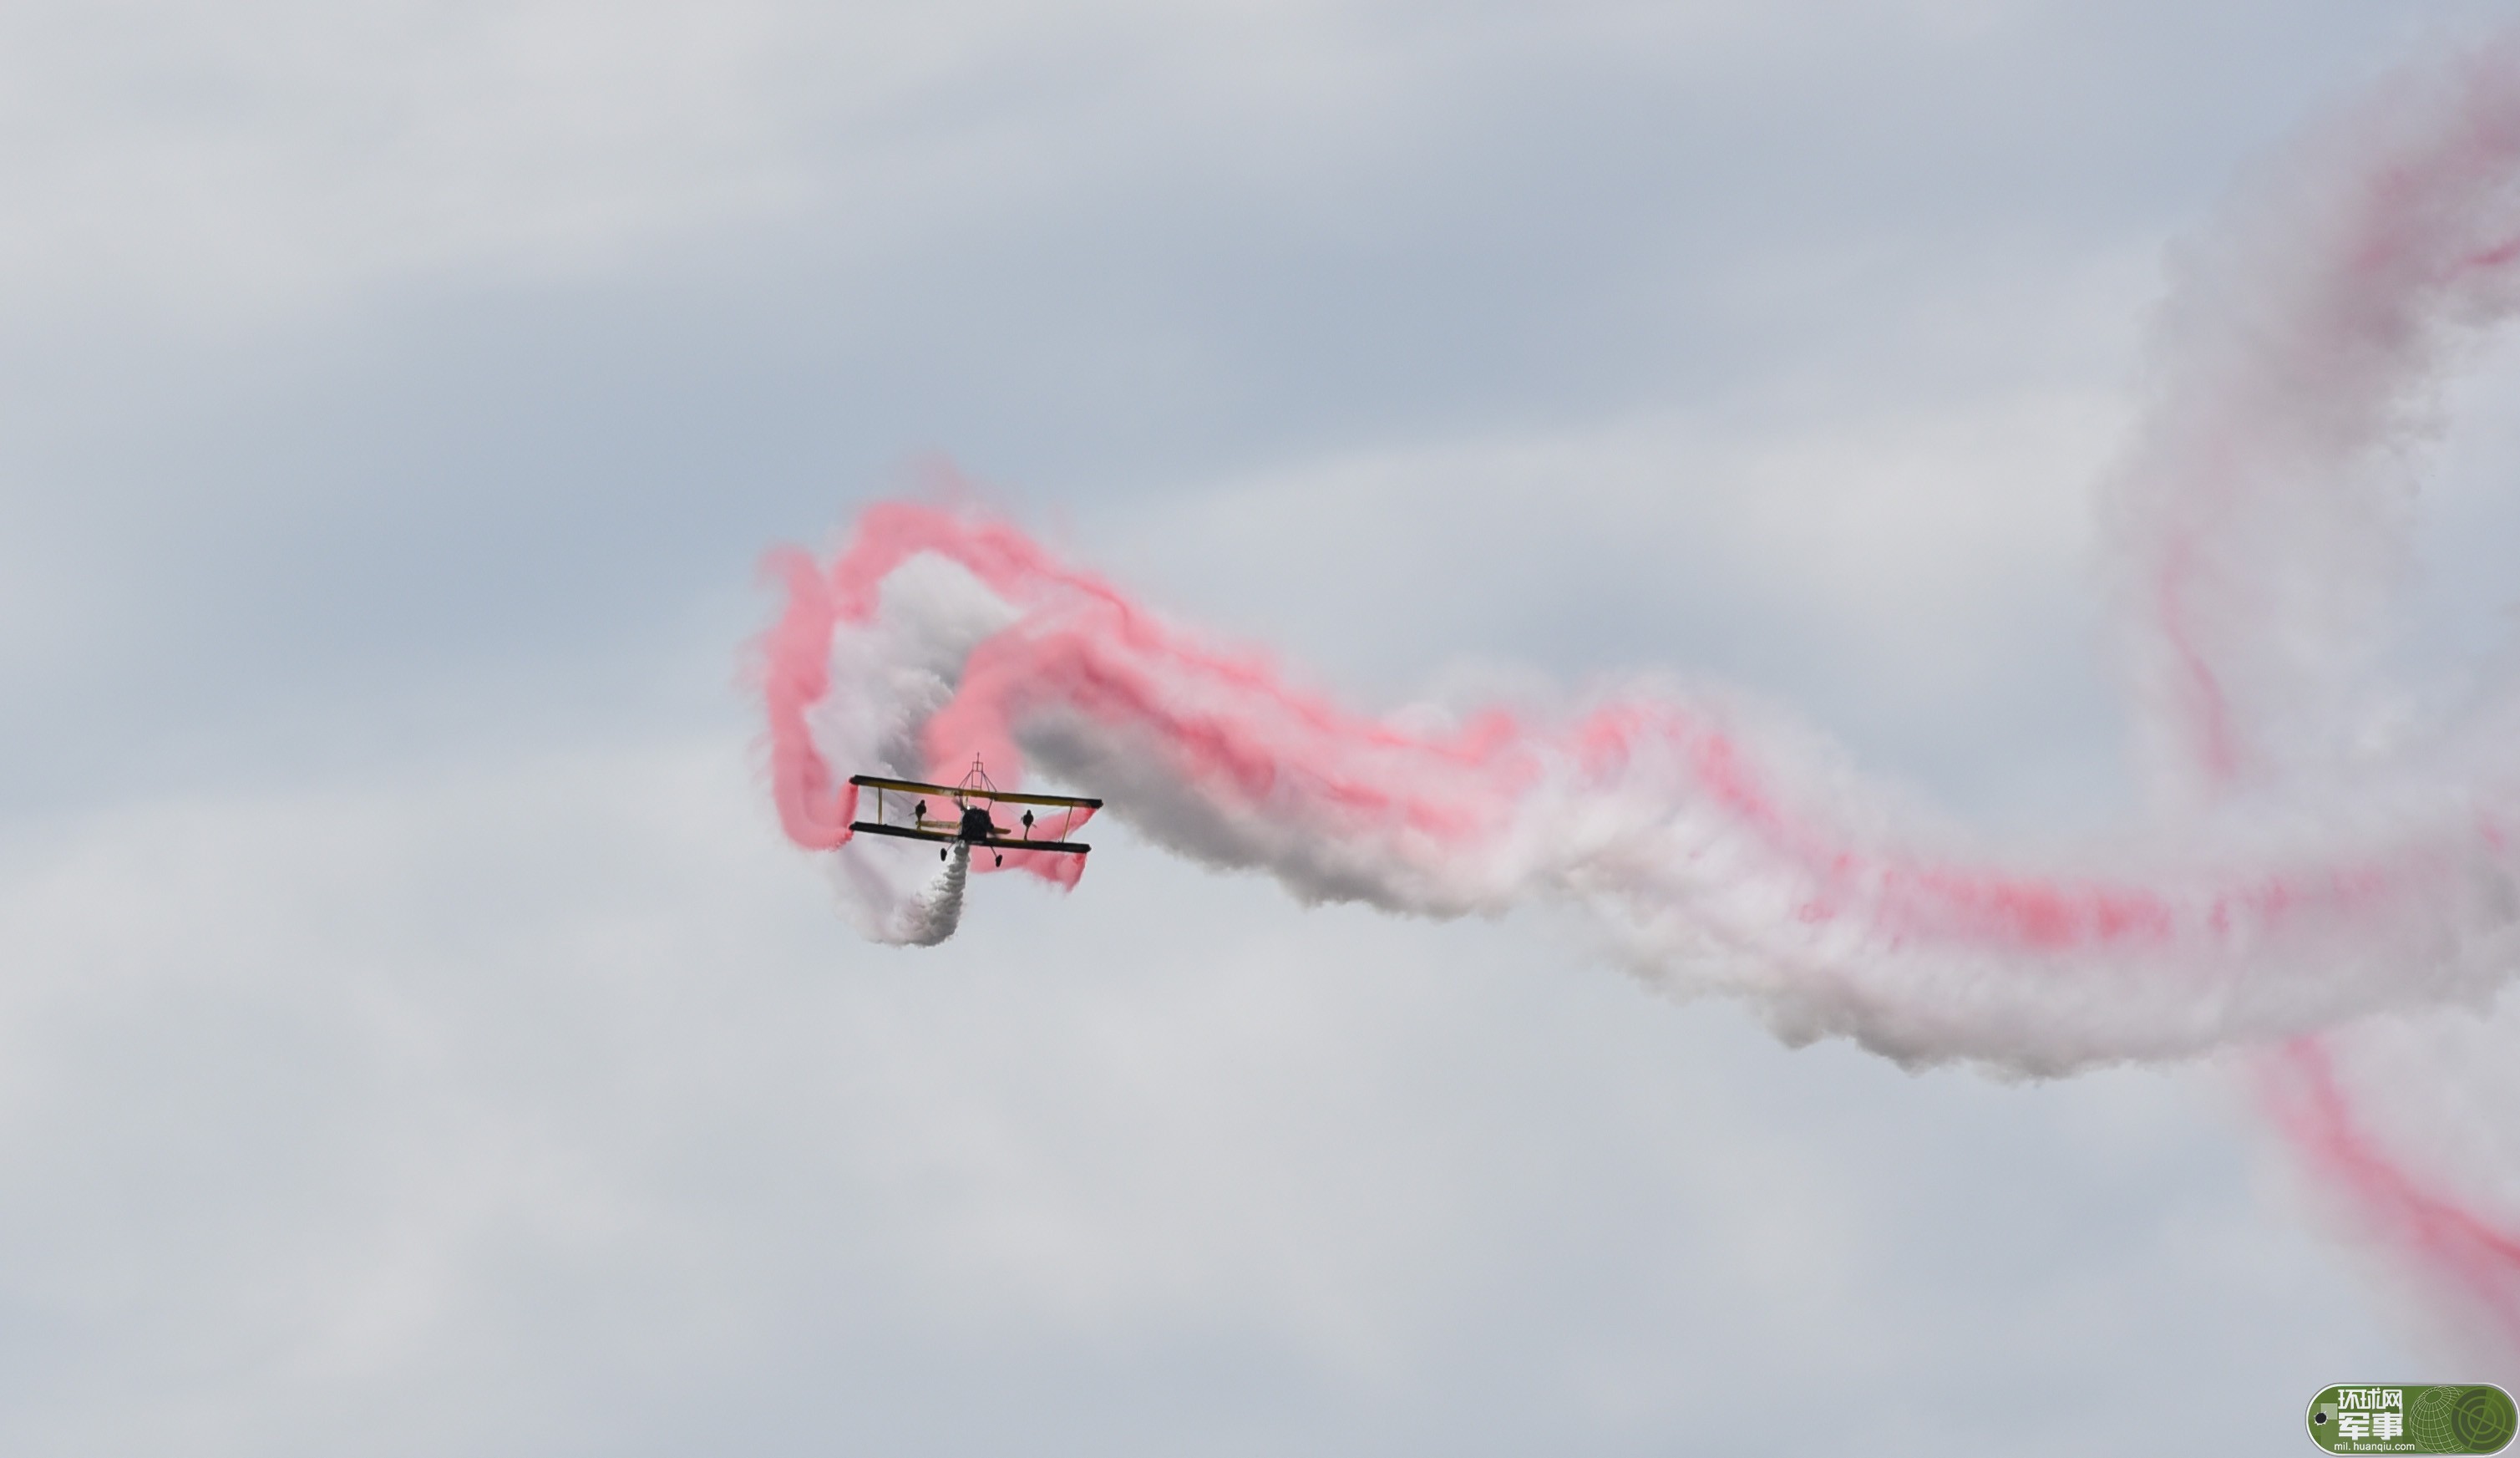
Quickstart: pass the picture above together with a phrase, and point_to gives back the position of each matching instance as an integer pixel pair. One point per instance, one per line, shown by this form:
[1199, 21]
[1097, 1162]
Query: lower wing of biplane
[966, 814]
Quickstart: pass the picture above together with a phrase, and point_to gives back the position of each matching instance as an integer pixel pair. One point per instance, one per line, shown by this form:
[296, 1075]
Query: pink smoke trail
[2261, 506]
[2466, 1259]
[2294, 879]
[1660, 815]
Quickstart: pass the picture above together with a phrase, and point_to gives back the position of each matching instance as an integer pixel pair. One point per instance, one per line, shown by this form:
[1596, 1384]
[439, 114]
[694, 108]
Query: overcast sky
[416, 1038]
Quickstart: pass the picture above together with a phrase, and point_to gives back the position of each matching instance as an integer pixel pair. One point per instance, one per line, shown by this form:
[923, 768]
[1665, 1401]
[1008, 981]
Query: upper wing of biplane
[903, 807]
[965, 792]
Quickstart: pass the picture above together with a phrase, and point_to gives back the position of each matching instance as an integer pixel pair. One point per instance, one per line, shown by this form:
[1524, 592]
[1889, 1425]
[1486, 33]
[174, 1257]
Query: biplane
[965, 814]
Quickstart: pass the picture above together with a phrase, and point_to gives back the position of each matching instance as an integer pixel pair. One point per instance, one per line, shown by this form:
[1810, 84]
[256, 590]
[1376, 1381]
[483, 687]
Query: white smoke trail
[935, 914]
[2261, 519]
[2262, 522]
[901, 668]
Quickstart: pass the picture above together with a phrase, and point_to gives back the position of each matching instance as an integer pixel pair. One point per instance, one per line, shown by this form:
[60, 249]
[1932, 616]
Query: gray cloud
[412, 1038]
